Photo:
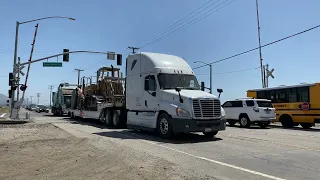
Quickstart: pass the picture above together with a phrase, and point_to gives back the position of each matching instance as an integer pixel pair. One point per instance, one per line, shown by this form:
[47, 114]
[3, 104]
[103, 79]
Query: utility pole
[18, 80]
[133, 49]
[50, 87]
[260, 53]
[79, 70]
[38, 96]
[31, 99]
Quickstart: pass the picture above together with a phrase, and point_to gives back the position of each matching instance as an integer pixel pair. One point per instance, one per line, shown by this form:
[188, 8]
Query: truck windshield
[182, 81]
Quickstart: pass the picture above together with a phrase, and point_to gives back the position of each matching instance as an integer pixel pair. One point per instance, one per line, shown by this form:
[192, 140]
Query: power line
[274, 42]
[229, 72]
[189, 23]
[180, 21]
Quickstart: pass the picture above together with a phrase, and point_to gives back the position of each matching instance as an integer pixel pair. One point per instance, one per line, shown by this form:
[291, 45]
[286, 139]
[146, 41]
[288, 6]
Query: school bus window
[261, 94]
[303, 94]
[292, 94]
[281, 96]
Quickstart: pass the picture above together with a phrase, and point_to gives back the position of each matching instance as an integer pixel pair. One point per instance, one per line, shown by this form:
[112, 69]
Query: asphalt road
[237, 153]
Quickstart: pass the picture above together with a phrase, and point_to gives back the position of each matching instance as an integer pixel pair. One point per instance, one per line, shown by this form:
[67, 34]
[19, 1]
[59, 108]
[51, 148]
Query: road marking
[2, 115]
[218, 162]
[198, 157]
[250, 139]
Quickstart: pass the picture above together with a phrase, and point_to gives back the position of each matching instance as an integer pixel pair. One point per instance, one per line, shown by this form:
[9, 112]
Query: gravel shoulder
[43, 151]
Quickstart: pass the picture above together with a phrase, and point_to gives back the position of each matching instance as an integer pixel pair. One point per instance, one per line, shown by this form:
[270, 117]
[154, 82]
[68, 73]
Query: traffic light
[202, 86]
[119, 59]
[10, 93]
[11, 79]
[23, 87]
[66, 56]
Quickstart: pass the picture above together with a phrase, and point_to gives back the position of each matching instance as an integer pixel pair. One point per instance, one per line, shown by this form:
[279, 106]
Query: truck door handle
[145, 103]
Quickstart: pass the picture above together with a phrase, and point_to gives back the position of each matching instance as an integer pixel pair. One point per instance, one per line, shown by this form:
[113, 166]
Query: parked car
[249, 111]
[42, 108]
[33, 108]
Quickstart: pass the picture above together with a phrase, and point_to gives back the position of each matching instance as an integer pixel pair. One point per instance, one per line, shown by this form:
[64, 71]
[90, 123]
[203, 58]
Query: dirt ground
[4, 110]
[43, 151]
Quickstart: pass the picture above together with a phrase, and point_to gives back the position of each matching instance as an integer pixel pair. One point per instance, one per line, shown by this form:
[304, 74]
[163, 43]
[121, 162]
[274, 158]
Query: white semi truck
[160, 93]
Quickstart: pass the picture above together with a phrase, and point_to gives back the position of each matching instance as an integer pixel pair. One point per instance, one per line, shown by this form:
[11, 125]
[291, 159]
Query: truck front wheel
[164, 127]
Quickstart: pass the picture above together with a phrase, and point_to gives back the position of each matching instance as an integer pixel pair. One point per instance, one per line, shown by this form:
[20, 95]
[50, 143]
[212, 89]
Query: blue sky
[115, 24]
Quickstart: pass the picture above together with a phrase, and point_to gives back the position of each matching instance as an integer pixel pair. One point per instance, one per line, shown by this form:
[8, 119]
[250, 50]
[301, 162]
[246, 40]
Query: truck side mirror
[202, 86]
[219, 91]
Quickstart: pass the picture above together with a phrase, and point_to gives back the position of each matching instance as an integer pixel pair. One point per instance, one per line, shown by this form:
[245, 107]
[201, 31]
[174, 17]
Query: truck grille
[206, 108]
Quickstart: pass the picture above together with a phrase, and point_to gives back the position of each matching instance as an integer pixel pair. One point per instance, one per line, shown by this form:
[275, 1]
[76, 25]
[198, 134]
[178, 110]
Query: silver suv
[249, 111]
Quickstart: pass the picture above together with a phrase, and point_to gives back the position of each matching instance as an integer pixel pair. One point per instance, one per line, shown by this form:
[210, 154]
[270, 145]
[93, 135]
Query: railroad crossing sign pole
[269, 74]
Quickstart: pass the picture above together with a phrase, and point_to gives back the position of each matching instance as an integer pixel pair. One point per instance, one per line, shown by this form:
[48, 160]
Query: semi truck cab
[163, 94]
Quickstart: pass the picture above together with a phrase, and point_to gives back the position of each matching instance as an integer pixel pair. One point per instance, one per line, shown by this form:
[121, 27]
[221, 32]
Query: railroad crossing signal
[269, 73]
[18, 68]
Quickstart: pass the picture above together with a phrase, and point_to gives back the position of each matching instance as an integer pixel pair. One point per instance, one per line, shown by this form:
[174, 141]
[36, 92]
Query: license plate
[207, 130]
[268, 112]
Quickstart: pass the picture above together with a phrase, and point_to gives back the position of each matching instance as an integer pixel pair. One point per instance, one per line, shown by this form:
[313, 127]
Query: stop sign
[305, 106]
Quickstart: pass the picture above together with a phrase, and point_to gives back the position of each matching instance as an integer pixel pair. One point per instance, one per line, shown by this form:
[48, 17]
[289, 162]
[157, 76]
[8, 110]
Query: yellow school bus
[298, 104]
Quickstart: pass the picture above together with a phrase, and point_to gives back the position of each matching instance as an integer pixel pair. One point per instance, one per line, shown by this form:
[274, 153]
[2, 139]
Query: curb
[13, 122]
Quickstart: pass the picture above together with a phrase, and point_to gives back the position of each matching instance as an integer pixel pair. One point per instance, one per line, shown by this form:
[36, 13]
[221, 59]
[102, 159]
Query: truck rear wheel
[108, 118]
[116, 119]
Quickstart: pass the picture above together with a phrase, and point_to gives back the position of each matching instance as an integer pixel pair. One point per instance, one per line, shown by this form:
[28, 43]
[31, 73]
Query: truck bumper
[193, 125]
[264, 120]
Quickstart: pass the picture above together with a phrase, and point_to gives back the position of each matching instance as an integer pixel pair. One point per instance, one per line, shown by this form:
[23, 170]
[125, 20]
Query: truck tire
[164, 126]
[123, 118]
[108, 118]
[116, 119]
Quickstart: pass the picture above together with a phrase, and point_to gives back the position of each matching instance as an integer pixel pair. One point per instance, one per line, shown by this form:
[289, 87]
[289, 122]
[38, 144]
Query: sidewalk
[5, 117]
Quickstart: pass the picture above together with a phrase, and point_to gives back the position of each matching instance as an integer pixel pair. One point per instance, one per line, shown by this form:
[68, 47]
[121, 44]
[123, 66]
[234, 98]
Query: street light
[210, 73]
[16, 46]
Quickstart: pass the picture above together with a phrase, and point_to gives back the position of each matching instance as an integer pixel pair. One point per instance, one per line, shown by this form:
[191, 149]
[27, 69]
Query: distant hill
[3, 100]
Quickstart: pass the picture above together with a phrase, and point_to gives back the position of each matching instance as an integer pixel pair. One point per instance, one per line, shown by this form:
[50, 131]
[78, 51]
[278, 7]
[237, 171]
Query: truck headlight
[183, 112]
[223, 113]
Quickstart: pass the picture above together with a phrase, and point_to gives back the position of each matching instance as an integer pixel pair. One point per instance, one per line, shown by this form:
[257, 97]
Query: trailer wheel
[108, 118]
[116, 119]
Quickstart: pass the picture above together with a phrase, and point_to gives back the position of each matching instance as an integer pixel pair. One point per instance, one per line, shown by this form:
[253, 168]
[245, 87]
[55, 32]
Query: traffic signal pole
[61, 54]
[14, 63]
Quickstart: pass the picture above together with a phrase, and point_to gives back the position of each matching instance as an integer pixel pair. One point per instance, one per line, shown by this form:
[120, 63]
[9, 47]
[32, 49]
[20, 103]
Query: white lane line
[218, 162]
[2, 115]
